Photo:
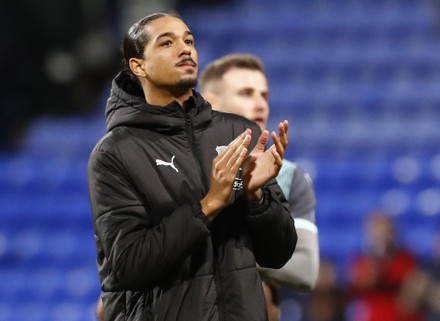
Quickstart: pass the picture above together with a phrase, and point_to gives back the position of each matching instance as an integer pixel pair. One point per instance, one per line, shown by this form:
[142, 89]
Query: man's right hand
[224, 170]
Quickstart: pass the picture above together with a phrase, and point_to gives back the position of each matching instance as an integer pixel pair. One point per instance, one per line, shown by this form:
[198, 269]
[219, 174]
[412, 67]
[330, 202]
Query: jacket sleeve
[271, 228]
[136, 254]
[301, 271]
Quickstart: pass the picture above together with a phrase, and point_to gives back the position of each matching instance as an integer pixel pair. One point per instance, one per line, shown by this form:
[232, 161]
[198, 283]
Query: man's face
[380, 235]
[170, 56]
[245, 92]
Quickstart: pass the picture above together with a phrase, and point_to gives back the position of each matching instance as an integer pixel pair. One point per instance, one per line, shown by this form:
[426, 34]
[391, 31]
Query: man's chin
[187, 83]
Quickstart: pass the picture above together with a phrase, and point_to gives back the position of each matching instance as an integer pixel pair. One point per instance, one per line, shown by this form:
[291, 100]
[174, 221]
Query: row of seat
[44, 310]
[67, 182]
[377, 117]
[358, 81]
[315, 13]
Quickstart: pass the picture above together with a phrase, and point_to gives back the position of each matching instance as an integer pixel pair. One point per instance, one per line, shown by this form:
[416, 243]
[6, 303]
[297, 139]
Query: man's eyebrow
[172, 34]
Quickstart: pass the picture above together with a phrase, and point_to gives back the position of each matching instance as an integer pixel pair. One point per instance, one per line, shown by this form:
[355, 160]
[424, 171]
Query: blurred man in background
[237, 84]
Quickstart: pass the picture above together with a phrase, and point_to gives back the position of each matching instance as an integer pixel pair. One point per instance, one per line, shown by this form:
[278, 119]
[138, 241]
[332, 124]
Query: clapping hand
[261, 166]
[224, 170]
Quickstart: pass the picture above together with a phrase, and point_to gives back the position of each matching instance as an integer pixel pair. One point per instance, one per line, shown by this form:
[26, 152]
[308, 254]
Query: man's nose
[186, 49]
[261, 103]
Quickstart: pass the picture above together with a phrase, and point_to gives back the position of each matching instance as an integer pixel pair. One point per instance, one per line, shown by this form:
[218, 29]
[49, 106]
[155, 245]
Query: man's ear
[212, 99]
[137, 66]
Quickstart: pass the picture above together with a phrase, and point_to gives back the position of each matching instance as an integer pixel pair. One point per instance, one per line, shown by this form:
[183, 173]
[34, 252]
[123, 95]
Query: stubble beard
[185, 84]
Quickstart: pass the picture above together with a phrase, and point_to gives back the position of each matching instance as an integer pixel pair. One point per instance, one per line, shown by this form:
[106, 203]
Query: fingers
[233, 155]
[241, 136]
[262, 141]
[280, 143]
[237, 159]
[236, 146]
[277, 146]
[223, 172]
[277, 157]
[283, 132]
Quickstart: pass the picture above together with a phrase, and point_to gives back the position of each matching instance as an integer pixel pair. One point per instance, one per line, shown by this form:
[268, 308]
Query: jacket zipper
[190, 135]
[218, 288]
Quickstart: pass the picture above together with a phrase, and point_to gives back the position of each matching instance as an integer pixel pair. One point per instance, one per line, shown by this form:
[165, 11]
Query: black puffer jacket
[159, 258]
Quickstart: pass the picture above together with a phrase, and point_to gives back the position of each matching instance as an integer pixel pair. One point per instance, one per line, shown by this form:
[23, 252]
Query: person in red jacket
[377, 276]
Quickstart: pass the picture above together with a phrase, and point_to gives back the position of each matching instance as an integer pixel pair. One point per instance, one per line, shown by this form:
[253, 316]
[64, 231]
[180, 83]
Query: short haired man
[236, 83]
[182, 212]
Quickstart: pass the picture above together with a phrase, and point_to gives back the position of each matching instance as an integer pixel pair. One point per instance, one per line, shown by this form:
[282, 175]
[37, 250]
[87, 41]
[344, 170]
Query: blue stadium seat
[358, 82]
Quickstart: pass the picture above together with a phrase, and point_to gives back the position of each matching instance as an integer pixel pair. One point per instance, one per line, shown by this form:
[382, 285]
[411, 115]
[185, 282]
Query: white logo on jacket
[219, 149]
[163, 163]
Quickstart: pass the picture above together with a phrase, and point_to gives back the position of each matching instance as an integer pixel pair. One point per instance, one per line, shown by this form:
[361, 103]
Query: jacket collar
[126, 106]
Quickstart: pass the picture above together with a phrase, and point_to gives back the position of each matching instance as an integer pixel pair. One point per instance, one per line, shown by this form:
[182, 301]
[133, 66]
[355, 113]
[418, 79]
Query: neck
[165, 96]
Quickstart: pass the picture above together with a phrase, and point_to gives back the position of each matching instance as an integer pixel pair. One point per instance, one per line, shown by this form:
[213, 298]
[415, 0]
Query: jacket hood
[126, 106]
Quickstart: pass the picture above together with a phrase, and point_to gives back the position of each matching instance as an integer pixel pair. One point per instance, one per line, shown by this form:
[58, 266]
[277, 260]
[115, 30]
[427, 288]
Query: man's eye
[166, 43]
[246, 93]
[189, 41]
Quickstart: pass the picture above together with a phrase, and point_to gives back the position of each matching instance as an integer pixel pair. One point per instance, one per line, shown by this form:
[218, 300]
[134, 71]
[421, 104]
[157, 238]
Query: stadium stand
[359, 83]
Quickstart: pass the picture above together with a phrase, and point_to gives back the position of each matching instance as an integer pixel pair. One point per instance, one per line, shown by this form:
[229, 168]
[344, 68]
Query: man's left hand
[261, 166]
